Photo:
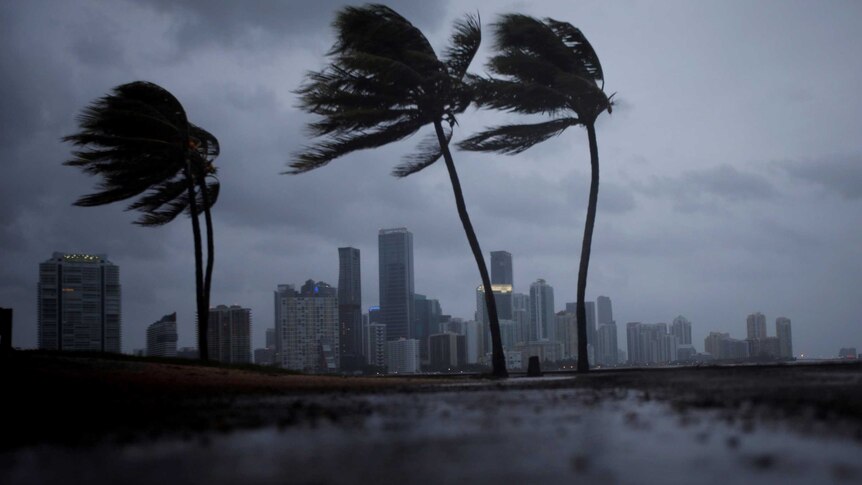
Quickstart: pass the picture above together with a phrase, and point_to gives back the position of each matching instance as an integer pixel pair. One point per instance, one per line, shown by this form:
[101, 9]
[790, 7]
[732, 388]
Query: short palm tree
[549, 68]
[140, 142]
[383, 84]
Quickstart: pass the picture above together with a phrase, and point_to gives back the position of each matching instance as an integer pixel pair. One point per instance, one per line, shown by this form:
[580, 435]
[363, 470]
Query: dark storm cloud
[840, 175]
[230, 23]
[685, 223]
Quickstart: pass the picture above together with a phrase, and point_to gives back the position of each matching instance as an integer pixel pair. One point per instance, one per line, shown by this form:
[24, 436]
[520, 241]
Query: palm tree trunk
[208, 275]
[203, 312]
[583, 362]
[498, 360]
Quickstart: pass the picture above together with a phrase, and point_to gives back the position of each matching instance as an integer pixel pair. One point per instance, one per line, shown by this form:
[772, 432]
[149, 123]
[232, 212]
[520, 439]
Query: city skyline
[711, 206]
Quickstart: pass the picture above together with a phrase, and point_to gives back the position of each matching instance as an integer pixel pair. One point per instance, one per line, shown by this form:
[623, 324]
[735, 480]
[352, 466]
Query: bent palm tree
[383, 84]
[140, 142]
[546, 67]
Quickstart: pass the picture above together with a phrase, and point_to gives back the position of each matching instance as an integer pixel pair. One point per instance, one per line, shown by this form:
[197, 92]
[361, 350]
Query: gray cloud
[841, 174]
[685, 223]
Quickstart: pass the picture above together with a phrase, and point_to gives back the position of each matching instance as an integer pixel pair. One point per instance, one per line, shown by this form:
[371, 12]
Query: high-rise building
[722, 347]
[229, 334]
[590, 307]
[501, 268]
[375, 353]
[541, 311]
[681, 328]
[447, 351]
[785, 337]
[502, 300]
[350, 308]
[650, 343]
[162, 337]
[756, 323]
[521, 316]
[79, 303]
[402, 356]
[606, 350]
[426, 321]
[604, 311]
[566, 334]
[307, 326]
[395, 250]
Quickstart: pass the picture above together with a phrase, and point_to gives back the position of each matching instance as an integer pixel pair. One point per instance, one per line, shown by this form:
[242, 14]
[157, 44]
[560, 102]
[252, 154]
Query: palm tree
[140, 142]
[548, 68]
[383, 84]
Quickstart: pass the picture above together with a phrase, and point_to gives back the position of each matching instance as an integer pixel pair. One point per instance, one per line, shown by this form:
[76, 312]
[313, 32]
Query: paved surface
[468, 434]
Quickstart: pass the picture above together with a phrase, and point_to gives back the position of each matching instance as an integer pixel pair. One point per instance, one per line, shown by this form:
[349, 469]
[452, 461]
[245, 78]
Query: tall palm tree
[140, 142]
[383, 84]
[549, 68]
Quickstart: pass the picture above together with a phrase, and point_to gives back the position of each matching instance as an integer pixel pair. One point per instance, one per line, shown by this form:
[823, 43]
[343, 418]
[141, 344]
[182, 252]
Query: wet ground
[760, 425]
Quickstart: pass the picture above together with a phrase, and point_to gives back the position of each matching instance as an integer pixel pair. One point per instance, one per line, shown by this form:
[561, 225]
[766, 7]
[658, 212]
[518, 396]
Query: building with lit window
[79, 303]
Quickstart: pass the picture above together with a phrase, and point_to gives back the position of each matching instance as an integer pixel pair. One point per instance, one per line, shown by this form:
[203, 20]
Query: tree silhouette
[140, 142]
[548, 68]
[383, 84]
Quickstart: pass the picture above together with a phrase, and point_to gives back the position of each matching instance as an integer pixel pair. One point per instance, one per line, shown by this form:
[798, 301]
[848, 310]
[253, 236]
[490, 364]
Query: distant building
[756, 326]
[521, 316]
[229, 334]
[541, 311]
[426, 321]
[265, 356]
[162, 337]
[606, 350]
[188, 353]
[650, 343]
[785, 338]
[764, 348]
[395, 260]
[376, 351]
[503, 302]
[681, 329]
[402, 356]
[307, 327]
[79, 303]
[546, 350]
[473, 339]
[447, 351]
[604, 312]
[590, 308]
[566, 334]
[848, 353]
[722, 347]
[350, 308]
[501, 268]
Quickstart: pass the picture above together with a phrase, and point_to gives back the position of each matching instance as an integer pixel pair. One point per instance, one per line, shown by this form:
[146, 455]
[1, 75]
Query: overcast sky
[731, 166]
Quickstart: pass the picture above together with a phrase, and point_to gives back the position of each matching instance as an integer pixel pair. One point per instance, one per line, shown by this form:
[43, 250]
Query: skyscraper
[541, 311]
[521, 316]
[349, 308]
[681, 328]
[590, 306]
[606, 348]
[426, 321]
[307, 327]
[79, 303]
[395, 250]
[229, 334]
[756, 323]
[785, 337]
[162, 337]
[604, 312]
[503, 301]
[501, 268]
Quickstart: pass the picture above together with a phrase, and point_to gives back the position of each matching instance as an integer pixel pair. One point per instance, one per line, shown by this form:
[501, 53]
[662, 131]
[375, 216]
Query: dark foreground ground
[86, 419]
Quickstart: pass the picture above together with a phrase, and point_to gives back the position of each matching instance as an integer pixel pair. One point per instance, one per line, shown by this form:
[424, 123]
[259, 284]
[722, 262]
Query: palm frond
[587, 64]
[527, 98]
[427, 152]
[512, 139]
[336, 146]
[463, 46]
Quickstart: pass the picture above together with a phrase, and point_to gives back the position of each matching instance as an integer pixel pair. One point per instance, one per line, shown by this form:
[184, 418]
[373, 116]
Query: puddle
[482, 436]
